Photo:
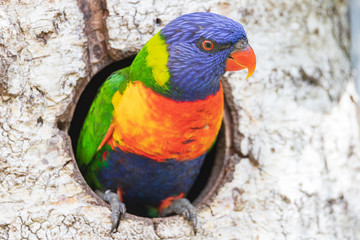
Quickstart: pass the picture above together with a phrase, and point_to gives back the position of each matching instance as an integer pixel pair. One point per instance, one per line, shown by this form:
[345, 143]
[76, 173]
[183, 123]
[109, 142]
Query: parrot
[148, 129]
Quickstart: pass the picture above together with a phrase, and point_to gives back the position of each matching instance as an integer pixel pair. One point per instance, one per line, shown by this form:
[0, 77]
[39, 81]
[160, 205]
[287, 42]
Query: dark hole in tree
[207, 171]
[158, 21]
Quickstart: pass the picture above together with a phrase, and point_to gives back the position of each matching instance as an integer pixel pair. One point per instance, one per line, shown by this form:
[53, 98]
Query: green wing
[99, 117]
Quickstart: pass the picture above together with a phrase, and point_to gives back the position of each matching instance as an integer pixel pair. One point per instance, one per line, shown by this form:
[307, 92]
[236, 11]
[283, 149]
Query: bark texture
[298, 120]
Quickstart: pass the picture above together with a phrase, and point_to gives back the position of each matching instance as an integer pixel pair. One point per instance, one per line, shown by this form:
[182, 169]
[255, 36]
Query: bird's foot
[118, 209]
[184, 208]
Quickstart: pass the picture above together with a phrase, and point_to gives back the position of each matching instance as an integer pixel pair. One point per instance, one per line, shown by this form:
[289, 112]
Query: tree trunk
[295, 162]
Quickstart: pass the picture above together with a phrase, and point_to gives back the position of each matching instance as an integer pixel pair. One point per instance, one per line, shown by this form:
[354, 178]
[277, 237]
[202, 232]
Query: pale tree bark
[295, 162]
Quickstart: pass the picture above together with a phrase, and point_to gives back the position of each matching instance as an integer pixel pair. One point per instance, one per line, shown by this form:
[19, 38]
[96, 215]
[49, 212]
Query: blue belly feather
[144, 181]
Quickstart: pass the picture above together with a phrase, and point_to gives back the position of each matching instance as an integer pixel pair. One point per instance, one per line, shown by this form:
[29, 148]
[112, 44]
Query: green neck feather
[150, 65]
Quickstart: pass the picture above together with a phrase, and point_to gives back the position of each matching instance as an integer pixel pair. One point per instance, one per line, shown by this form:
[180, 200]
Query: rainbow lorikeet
[151, 124]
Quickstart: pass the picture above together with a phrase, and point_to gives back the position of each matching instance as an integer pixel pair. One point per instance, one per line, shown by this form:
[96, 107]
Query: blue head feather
[195, 73]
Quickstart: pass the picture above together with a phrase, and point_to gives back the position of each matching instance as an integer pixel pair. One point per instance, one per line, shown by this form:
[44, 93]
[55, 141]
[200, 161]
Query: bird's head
[186, 59]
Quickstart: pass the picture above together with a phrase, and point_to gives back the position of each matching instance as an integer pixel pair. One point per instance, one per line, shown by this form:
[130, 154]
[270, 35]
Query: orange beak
[240, 59]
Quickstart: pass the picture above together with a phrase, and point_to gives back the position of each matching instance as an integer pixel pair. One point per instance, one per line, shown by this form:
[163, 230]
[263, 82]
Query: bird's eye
[207, 45]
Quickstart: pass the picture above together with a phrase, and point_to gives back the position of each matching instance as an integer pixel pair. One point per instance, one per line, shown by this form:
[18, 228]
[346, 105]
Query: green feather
[150, 65]
[99, 117]
[142, 72]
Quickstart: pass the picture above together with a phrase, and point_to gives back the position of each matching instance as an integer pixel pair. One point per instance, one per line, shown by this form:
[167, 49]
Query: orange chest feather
[157, 127]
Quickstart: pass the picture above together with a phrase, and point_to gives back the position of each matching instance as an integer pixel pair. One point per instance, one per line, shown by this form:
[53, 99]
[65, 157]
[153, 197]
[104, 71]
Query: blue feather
[143, 180]
[195, 74]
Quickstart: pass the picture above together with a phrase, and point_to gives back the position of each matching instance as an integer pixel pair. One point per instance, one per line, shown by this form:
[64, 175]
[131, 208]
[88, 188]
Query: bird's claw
[118, 208]
[184, 208]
